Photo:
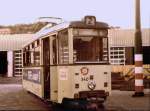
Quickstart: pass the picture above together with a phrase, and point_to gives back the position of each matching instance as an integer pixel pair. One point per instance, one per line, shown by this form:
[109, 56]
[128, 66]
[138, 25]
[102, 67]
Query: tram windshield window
[90, 49]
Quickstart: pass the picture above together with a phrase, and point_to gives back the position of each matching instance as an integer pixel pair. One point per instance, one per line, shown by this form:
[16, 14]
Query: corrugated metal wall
[14, 42]
[125, 37]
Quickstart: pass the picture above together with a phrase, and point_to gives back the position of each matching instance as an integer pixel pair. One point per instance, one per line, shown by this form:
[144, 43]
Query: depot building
[121, 45]
[121, 49]
[10, 53]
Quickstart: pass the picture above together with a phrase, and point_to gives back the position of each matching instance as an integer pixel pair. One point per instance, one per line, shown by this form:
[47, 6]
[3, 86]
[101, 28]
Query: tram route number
[84, 78]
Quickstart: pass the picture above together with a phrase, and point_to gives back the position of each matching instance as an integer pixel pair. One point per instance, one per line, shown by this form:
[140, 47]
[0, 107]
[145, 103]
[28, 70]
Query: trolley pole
[138, 56]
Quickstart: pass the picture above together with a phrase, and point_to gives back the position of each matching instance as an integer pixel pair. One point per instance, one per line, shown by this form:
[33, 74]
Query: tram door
[46, 67]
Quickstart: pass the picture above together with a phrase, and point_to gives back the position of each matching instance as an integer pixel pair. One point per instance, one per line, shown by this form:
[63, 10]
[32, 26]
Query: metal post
[138, 57]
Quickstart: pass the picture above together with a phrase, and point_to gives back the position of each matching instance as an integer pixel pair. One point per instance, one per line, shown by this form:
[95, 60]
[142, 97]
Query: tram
[68, 60]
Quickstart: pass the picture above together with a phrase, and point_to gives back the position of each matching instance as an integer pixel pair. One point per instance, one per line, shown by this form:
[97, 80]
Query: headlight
[91, 85]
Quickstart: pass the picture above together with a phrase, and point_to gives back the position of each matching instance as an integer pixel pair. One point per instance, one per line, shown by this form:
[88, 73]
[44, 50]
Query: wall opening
[3, 63]
[146, 55]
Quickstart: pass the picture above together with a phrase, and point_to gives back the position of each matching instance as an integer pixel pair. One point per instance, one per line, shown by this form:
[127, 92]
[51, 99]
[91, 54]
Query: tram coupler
[75, 104]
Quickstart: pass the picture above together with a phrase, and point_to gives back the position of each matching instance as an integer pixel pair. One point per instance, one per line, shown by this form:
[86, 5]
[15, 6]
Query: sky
[115, 12]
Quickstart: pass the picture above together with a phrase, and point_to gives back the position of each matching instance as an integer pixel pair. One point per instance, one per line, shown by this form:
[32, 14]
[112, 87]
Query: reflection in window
[90, 49]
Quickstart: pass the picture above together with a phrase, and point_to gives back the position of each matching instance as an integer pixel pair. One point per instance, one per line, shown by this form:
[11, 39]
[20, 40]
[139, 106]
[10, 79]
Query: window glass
[31, 56]
[54, 54]
[37, 56]
[90, 49]
[117, 55]
[63, 47]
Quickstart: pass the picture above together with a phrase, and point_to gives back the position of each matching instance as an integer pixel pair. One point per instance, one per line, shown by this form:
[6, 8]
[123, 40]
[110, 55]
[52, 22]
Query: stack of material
[117, 81]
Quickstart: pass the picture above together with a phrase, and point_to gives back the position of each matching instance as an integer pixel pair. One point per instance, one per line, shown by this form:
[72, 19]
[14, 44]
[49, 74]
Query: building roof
[5, 31]
[14, 41]
[125, 37]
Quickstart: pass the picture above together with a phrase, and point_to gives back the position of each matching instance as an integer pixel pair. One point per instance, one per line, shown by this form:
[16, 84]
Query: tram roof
[48, 29]
[74, 24]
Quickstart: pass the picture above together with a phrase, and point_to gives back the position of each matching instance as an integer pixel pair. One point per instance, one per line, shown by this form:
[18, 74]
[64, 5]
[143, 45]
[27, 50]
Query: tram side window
[36, 56]
[89, 49]
[31, 57]
[63, 47]
[105, 49]
[26, 58]
[54, 51]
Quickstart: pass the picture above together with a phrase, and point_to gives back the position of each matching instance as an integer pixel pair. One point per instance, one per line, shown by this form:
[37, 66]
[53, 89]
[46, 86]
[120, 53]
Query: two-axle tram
[67, 59]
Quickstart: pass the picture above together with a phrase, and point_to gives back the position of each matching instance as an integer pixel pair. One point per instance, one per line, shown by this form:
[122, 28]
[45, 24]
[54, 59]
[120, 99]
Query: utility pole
[138, 56]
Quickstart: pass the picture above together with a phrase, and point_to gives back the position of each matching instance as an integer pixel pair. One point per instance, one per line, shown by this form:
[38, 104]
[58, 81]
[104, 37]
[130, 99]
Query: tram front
[86, 72]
